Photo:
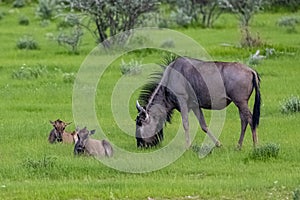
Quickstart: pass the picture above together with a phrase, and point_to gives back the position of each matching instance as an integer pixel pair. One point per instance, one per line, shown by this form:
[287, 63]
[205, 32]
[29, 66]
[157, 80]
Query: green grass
[31, 168]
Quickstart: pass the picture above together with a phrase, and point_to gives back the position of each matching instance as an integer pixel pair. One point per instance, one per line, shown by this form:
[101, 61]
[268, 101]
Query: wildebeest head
[82, 136]
[149, 127]
[59, 127]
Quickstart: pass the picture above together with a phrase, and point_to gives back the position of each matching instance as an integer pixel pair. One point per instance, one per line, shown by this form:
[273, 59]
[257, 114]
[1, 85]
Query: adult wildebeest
[89, 146]
[58, 133]
[191, 84]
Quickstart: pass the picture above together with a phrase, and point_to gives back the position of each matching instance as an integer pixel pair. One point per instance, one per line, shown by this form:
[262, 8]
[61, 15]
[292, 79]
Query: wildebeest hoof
[218, 144]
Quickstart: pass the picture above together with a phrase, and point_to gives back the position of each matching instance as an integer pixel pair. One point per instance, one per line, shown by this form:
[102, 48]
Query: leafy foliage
[27, 42]
[290, 23]
[111, 17]
[26, 72]
[131, 68]
[243, 9]
[296, 194]
[69, 77]
[24, 20]
[265, 152]
[187, 12]
[46, 9]
[71, 40]
[290, 105]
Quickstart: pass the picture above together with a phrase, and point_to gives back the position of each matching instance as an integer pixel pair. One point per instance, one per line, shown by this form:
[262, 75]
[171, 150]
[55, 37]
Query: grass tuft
[265, 152]
[290, 105]
[25, 72]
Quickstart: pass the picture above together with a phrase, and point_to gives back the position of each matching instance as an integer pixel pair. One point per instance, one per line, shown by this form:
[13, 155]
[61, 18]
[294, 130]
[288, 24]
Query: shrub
[26, 72]
[265, 152]
[69, 77]
[18, 3]
[202, 150]
[290, 23]
[169, 43]
[71, 40]
[296, 194]
[27, 42]
[131, 68]
[248, 40]
[46, 9]
[24, 20]
[290, 105]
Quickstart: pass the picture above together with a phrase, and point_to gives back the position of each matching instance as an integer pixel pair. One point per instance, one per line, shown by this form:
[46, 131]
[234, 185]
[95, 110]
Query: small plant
[131, 68]
[18, 3]
[265, 152]
[69, 77]
[45, 162]
[248, 40]
[26, 72]
[27, 42]
[23, 20]
[202, 150]
[296, 194]
[46, 9]
[290, 105]
[290, 23]
[181, 18]
[169, 43]
[71, 40]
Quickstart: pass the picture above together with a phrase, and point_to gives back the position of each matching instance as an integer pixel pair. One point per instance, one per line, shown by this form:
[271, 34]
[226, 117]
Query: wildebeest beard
[149, 141]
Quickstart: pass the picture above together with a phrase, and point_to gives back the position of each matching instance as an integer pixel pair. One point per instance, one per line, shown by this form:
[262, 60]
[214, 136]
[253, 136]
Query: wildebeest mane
[155, 81]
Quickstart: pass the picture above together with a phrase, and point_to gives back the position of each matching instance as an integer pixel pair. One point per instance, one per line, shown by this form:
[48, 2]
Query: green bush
[71, 40]
[26, 72]
[69, 77]
[290, 23]
[27, 42]
[131, 68]
[169, 43]
[265, 152]
[290, 105]
[18, 3]
[24, 20]
[296, 194]
[46, 9]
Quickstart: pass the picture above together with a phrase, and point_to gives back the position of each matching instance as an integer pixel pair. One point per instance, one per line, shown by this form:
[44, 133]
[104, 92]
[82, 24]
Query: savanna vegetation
[40, 56]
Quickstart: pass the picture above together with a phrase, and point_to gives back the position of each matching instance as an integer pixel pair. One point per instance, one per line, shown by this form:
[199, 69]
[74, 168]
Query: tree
[188, 11]
[107, 18]
[244, 9]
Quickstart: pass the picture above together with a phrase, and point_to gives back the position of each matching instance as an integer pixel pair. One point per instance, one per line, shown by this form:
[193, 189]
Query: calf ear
[51, 122]
[92, 132]
[68, 123]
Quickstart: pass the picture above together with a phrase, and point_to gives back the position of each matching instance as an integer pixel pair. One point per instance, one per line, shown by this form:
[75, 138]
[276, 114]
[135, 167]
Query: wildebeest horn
[139, 107]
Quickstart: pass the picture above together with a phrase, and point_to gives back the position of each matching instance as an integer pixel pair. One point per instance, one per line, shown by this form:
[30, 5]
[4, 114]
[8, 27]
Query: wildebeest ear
[92, 132]
[51, 122]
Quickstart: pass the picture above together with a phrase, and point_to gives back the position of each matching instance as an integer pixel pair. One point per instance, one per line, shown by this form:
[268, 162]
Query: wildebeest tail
[108, 148]
[257, 101]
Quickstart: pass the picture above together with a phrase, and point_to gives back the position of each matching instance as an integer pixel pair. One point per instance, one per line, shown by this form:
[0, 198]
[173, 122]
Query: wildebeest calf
[89, 146]
[58, 133]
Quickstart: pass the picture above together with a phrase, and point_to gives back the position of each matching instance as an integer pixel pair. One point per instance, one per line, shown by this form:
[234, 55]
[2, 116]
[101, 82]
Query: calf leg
[199, 114]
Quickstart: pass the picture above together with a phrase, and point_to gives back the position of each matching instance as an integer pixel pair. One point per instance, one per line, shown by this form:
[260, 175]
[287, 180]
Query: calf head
[59, 127]
[81, 136]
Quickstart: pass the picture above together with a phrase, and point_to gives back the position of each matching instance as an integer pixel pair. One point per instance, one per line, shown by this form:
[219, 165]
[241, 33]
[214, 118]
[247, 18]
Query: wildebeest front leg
[199, 114]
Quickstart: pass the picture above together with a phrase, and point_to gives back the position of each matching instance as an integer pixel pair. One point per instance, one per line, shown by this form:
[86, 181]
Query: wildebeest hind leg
[199, 114]
[246, 117]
